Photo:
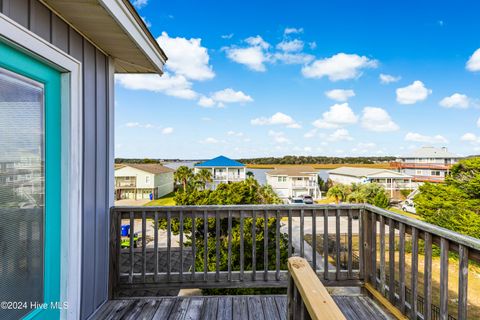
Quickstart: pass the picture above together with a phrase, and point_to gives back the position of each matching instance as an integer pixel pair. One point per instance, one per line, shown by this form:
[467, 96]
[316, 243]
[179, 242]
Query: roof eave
[128, 18]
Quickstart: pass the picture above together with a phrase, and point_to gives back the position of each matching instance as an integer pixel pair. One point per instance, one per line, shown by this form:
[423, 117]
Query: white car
[409, 206]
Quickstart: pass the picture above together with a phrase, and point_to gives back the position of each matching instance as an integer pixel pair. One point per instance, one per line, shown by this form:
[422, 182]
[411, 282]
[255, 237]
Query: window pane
[21, 191]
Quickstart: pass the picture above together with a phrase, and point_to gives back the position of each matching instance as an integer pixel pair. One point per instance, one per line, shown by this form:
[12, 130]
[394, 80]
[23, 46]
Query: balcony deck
[347, 245]
[256, 307]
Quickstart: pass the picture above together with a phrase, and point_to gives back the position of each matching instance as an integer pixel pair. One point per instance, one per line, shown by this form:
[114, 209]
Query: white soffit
[116, 28]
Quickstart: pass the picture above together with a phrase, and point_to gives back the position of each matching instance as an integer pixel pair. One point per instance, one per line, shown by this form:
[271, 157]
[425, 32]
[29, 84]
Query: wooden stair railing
[307, 297]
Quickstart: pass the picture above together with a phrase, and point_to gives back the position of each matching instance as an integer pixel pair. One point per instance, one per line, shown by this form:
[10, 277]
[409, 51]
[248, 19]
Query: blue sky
[337, 78]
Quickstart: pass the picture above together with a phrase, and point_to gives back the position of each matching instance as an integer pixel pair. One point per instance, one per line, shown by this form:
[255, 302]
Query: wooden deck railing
[375, 223]
[350, 244]
[171, 258]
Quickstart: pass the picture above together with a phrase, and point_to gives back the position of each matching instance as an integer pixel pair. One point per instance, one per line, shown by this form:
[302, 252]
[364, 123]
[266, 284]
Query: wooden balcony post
[367, 246]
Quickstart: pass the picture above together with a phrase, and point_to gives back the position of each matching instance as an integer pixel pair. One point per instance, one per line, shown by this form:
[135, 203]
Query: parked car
[409, 206]
[296, 200]
[307, 199]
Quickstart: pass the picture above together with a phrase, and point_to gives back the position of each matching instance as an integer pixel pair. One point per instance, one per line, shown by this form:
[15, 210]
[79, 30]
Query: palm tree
[338, 192]
[250, 174]
[183, 175]
[203, 177]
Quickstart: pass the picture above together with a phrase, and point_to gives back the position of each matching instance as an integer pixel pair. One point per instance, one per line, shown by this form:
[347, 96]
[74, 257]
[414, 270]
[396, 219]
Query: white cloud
[366, 145]
[473, 64]
[186, 57]
[278, 136]
[340, 94]
[252, 57]
[341, 66]
[387, 78]
[338, 115]
[291, 45]
[210, 140]
[413, 93]
[222, 97]
[227, 36]
[310, 134]
[206, 102]
[235, 133]
[172, 85]
[456, 100]
[231, 96]
[339, 135]
[377, 119]
[139, 3]
[288, 31]
[312, 45]
[167, 130]
[293, 58]
[206, 119]
[417, 137]
[257, 41]
[278, 118]
[471, 137]
[132, 124]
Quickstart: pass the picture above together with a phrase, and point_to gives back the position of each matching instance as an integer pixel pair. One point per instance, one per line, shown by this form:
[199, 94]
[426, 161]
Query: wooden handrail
[311, 293]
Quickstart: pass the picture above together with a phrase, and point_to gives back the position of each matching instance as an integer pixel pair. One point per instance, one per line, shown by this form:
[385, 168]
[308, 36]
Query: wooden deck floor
[226, 307]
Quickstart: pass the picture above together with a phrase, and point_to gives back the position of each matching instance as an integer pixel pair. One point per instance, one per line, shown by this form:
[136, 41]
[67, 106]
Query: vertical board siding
[39, 19]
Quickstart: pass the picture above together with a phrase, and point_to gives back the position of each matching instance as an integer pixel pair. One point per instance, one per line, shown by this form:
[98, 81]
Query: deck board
[226, 308]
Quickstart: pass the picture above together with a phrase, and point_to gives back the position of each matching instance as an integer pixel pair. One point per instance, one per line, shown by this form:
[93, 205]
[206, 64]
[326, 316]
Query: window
[22, 204]
[436, 173]
[147, 179]
[419, 172]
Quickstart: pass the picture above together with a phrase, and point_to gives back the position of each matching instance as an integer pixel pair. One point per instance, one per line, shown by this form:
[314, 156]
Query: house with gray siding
[427, 164]
[57, 64]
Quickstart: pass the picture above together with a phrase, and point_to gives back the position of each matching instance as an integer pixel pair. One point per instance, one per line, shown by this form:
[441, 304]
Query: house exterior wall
[164, 183]
[97, 162]
[143, 179]
[145, 183]
[290, 187]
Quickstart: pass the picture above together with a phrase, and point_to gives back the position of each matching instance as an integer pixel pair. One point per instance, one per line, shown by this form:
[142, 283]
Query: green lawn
[166, 200]
[410, 215]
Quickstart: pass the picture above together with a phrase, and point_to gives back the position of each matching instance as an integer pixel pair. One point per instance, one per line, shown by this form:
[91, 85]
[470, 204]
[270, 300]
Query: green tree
[339, 192]
[183, 175]
[250, 174]
[246, 192]
[454, 205]
[203, 177]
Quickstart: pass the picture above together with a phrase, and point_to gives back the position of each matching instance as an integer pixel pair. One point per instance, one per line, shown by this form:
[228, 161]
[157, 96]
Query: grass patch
[166, 200]
[407, 214]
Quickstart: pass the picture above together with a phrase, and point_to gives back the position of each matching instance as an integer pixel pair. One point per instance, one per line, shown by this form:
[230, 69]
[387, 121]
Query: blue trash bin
[151, 197]
[125, 230]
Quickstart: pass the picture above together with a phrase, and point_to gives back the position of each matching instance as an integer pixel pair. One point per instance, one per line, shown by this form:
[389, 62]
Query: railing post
[367, 245]
[114, 244]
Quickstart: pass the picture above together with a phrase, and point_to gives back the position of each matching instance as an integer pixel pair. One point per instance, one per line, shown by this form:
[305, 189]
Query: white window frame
[71, 163]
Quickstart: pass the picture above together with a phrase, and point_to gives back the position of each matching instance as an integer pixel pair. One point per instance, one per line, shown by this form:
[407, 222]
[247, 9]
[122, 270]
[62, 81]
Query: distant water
[259, 174]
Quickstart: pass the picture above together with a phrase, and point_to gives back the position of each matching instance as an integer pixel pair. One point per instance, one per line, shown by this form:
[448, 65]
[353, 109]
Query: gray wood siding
[35, 16]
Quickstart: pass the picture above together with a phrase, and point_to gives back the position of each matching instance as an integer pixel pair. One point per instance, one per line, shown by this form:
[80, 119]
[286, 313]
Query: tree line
[317, 160]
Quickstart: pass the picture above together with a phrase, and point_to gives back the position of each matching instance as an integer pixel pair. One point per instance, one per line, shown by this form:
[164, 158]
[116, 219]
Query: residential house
[66, 258]
[392, 181]
[290, 182]
[427, 164]
[223, 169]
[57, 64]
[143, 181]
